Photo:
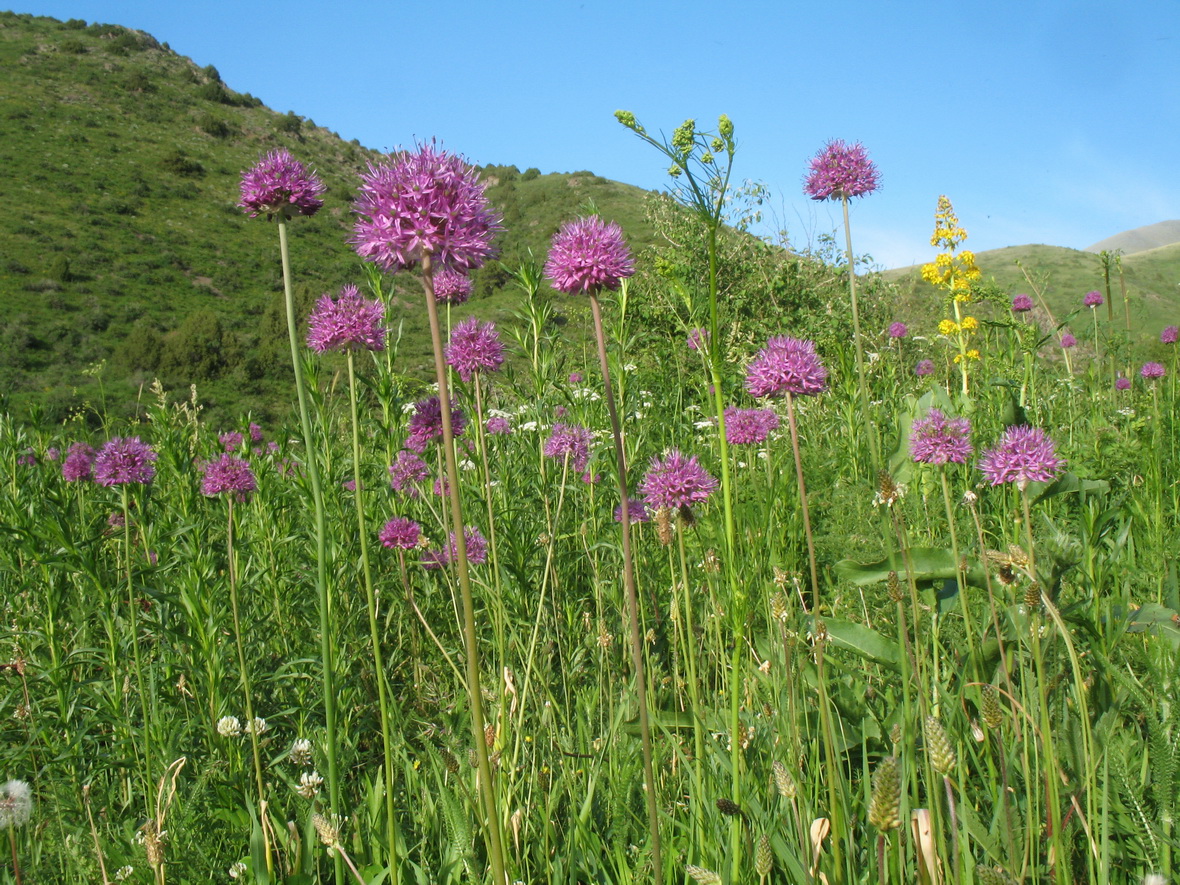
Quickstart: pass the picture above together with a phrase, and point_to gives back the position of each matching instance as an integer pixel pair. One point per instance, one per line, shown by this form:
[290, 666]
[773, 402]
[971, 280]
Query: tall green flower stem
[133, 617]
[653, 819]
[486, 785]
[245, 675]
[481, 440]
[694, 689]
[960, 577]
[374, 632]
[869, 425]
[321, 542]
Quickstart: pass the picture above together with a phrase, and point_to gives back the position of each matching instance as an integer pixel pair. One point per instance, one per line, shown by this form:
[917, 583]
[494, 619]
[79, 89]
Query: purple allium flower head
[1122, 383]
[786, 365]
[116, 520]
[280, 185]
[936, 439]
[498, 426]
[1024, 454]
[924, 367]
[27, 459]
[588, 255]
[897, 330]
[1093, 299]
[230, 440]
[1169, 335]
[79, 463]
[228, 475]
[698, 338]
[474, 347]
[124, 460]
[52, 453]
[1152, 371]
[1068, 341]
[572, 440]
[575, 378]
[272, 447]
[636, 511]
[400, 532]
[841, 170]
[745, 427]
[676, 481]
[1022, 303]
[426, 423]
[442, 487]
[451, 287]
[424, 202]
[351, 322]
[255, 433]
[406, 471]
[477, 550]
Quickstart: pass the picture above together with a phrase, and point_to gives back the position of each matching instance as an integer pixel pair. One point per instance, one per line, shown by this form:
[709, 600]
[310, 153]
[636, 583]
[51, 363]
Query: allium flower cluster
[16, 804]
[27, 459]
[477, 550]
[676, 481]
[937, 439]
[255, 433]
[350, 322]
[280, 185]
[1122, 383]
[570, 440]
[425, 202]
[1169, 335]
[498, 426]
[1093, 299]
[897, 330]
[1024, 454]
[228, 475]
[451, 287]
[124, 460]
[426, 423]
[841, 170]
[786, 365]
[400, 532]
[697, 339]
[636, 511]
[230, 440]
[588, 255]
[79, 463]
[745, 427]
[407, 471]
[924, 367]
[1022, 303]
[474, 347]
[1068, 341]
[1152, 371]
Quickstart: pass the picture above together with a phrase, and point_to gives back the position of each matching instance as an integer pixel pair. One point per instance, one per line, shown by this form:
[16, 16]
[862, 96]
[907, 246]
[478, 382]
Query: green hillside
[123, 242]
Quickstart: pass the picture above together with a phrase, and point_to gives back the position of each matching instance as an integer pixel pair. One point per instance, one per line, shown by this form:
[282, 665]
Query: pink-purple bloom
[52, 453]
[123, 461]
[27, 459]
[1068, 341]
[588, 255]
[451, 287]
[474, 347]
[924, 367]
[498, 426]
[424, 203]
[936, 439]
[786, 365]
[407, 471]
[676, 481]
[575, 378]
[1152, 371]
[636, 511]
[228, 475]
[476, 545]
[749, 426]
[1122, 383]
[79, 463]
[698, 338]
[841, 170]
[400, 532]
[572, 441]
[1024, 454]
[350, 322]
[1022, 303]
[426, 423]
[897, 330]
[280, 185]
[230, 440]
[1093, 299]
[255, 433]
[1169, 335]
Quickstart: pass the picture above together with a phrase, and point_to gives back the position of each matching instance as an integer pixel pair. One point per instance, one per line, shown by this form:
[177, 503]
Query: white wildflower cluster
[257, 726]
[124, 873]
[310, 783]
[16, 804]
[301, 752]
[229, 727]
[586, 393]
[237, 870]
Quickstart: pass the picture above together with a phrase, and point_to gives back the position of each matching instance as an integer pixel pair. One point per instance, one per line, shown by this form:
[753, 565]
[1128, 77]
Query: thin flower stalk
[133, 615]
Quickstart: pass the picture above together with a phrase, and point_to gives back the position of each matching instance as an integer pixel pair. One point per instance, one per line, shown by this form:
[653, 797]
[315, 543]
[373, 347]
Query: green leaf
[863, 641]
[929, 564]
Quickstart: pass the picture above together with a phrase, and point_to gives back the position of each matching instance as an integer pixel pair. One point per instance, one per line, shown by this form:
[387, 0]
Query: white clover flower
[16, 804]
[229, 727]
[309, 784]
[124, 873]
[237, 869]
[301, 752]
[466, 464]
[630, 367]
[257, 726]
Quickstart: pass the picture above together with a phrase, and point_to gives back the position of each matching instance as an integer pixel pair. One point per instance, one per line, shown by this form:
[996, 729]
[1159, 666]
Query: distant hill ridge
[1151, 236]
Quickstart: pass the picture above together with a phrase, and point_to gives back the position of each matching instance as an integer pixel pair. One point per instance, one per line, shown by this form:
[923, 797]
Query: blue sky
[1044, 122]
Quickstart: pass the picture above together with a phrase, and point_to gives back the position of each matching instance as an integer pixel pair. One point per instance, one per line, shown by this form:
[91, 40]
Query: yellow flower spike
[969, 324]
[947, 327]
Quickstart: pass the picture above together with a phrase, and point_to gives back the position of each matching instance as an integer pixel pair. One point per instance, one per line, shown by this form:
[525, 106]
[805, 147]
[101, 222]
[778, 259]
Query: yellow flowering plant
[954, 271]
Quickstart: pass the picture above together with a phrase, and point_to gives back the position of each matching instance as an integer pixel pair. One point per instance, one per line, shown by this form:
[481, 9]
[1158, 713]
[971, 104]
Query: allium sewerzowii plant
[954, 271]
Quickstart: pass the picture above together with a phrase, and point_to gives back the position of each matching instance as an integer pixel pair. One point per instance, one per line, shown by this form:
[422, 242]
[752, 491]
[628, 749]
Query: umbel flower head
[1152, 371]
[841, 170]
[407, 471]
[351, 322]
[400, 532]
[426, 423]
[228, 475]
[123, 461]
[571, 440]
[475, 542]
[1093, 299]
[786, 365]
[936, 439]
[1024, 454]
[675, 482]
[588, 255]
[424, 202]
[451, 287]
[745, 427]
[474, 347]
[280, 185]
[1022, 303]
[79, 463]
[1170, 335]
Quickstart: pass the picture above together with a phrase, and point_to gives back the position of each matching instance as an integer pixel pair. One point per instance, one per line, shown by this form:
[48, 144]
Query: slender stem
[321, 543]
[133, 618]
[653, 819]
[869, 426]
[486, 785]
[960, 578]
